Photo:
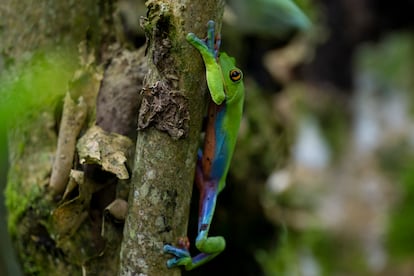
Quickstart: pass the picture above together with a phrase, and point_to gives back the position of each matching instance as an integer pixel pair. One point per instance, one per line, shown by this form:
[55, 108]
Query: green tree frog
[226, 88]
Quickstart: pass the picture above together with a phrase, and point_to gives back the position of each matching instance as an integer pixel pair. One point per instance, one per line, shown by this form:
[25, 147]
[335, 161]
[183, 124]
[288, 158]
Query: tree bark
[170, 124]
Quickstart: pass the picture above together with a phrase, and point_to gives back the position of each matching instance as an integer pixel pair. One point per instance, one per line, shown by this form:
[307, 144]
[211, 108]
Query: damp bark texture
[170, 119]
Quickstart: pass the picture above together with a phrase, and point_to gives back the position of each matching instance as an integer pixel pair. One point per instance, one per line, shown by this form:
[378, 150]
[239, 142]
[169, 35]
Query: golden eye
[236, 75]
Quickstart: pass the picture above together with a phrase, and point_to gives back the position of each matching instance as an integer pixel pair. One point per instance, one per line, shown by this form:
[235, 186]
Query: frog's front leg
[208, 246]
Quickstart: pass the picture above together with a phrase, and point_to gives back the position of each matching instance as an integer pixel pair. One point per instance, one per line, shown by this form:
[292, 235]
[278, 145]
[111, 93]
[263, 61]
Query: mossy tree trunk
[68, 179]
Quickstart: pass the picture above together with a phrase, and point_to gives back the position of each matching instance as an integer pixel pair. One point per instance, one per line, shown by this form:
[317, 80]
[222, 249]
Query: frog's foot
[211, 44]
[209, 248]
[181, 253]
[182, 256]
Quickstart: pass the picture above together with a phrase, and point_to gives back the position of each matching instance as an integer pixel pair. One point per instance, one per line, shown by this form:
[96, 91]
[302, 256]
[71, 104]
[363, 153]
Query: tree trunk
[165, 160]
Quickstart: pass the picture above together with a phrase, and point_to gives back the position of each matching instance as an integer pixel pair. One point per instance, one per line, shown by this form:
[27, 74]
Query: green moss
[17, 202]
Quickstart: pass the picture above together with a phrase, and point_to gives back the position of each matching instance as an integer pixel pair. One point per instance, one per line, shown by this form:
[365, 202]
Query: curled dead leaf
[109, 150]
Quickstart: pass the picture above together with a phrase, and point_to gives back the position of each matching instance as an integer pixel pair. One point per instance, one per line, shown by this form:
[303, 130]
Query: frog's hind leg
[209, 247]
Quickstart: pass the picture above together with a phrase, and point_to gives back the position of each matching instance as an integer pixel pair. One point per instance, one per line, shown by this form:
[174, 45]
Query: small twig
[73, 118]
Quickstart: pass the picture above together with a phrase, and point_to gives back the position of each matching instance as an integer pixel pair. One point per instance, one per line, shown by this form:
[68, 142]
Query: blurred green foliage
[391, 62]
[273, 18]
[34, 85]
[25, 91]
[389, 65]
[298, 251]
[398, 163]
[401, 229]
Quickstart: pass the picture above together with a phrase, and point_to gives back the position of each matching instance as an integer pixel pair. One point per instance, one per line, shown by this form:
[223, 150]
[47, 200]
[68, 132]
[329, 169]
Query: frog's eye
[236, 75]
